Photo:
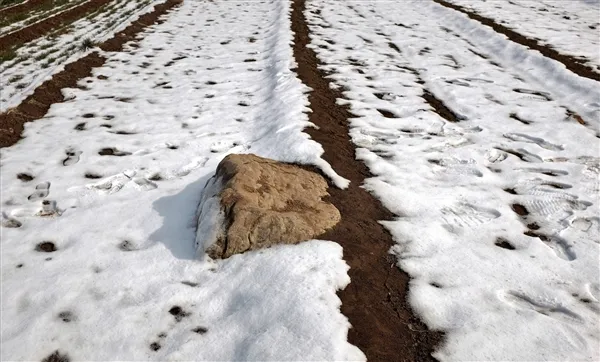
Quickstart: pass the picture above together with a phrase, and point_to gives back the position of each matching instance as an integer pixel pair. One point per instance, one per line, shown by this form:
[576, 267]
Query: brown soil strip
[440, 108]
[47, 25]
[21, 8]
[383, 325]
[37, 105]
[573, 64]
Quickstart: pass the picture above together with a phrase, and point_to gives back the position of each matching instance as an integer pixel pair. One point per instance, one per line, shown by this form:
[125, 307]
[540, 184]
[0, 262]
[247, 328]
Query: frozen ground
[111, 179]
[496, 182]
[571, 27]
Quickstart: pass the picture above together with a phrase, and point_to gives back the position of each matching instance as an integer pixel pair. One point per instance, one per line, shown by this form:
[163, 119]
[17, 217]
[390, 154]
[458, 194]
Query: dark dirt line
[440, 108]
[21, 8]
[572, 63]
[39, 29]
[383, 324]
[37, 105]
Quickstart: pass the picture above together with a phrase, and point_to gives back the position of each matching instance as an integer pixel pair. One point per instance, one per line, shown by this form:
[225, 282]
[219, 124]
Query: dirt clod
[57, 357]
[503, 243]
[126, 245]
[66, 316]
[519, 209]
[46, 247]
[200, 330]
[178, 313]
[92, 175]
[25, 177]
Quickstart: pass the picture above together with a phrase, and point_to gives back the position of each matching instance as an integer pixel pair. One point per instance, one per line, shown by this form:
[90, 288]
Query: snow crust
[498, 293]
[122, 165]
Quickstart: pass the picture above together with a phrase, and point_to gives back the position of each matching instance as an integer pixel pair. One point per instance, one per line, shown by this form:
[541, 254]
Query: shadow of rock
[178, 229]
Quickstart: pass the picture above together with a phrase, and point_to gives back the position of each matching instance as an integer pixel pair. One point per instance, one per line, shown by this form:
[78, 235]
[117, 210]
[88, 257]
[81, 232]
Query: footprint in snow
[545, 171]
[467, 215]
[548, 307]
[455, 166]
[72, 157]
[186, 169]
[519, 137]
[560, 246]
[495, 156]
[41, 190]
[144, 184]
[114, 183]
[534, 95]
[10, 222]
[588, 225]
[523, 155]
[449, 143]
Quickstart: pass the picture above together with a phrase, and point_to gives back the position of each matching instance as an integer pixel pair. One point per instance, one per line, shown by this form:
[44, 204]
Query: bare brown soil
[573, 64]
[21, 8]
[440, 108]
[47, 25]
[383, 325]
[37, 105]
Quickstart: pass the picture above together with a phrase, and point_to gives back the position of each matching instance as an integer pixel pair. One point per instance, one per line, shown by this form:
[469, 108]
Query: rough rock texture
[254, 202]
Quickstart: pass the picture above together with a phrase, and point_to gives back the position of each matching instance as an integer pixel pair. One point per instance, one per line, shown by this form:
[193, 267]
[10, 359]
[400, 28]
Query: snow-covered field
[499, 225]
[571, 27]
[38, 60]
[36, 14]
[123, 164]
[488, 151]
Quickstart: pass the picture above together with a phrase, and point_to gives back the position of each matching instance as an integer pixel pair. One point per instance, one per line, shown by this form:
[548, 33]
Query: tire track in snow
[384, 326]
[571, 63]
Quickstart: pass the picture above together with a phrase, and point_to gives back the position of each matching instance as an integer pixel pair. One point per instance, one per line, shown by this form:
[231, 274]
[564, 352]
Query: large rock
[253, 202]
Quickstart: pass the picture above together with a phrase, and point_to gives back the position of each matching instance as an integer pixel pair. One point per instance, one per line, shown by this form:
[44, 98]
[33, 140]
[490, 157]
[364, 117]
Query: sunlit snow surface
[39, 59]
[214, 79]
[498, 293]
[571, 27]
